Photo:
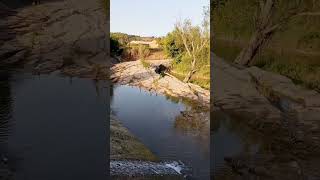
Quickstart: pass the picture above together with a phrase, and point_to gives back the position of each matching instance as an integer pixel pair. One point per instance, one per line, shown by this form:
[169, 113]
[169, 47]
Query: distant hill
[126, 38]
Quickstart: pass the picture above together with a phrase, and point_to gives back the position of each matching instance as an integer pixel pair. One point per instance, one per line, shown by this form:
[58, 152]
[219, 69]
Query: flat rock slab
[274, 106]
[69, 32]
[133, 73]
[281, 90]
[233, 90]
[268, 96]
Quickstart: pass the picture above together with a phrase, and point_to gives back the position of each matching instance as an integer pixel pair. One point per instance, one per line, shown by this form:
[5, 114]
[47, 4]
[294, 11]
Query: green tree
[196, 41]
[172, 45]
[115, 47]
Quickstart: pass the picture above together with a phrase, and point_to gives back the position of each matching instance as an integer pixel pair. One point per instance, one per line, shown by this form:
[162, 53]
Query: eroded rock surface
[286, 114]
[69, 36]
[265, 98]
[133, 73]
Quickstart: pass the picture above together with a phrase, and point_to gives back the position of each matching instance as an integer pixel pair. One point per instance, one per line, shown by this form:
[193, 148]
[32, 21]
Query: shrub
[143, 51]
[145, 64]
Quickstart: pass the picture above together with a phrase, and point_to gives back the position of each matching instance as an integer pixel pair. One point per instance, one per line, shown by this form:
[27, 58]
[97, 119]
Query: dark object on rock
[160, 69]
[35, 2]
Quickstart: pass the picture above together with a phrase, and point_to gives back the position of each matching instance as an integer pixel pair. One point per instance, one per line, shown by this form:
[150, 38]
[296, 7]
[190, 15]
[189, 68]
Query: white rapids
[145, 168]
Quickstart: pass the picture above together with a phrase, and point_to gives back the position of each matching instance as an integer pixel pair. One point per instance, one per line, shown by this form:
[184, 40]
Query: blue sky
[153, 17]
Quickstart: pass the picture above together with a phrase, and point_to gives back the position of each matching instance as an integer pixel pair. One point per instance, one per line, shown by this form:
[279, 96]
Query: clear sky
[153, 17]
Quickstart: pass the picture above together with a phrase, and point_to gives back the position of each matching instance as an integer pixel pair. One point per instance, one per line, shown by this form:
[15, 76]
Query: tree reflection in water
[5, 124]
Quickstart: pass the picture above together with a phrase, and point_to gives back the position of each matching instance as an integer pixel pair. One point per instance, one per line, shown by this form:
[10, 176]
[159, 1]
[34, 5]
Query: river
[152, 119]
[48, 121]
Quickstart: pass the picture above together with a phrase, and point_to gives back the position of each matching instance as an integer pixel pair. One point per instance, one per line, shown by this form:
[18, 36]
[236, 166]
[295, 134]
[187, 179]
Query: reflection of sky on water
[229, 139]
[151, 119]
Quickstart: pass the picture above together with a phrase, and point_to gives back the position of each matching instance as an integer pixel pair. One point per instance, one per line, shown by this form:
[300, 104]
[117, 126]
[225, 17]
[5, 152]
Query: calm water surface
[48, 123]
[229, 137]
[52, 128]
[151, 118]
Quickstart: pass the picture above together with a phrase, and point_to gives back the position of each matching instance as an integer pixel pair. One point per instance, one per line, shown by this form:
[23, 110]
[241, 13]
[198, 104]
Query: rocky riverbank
[133, 73]
[274, 107]
[124, 146]
[67, 36]
[267, 100]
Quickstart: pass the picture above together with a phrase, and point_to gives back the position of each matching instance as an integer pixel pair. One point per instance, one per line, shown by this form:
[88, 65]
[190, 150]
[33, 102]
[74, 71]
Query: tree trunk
[188, 77]
[264, 31]
[191, 72]
[257, 40]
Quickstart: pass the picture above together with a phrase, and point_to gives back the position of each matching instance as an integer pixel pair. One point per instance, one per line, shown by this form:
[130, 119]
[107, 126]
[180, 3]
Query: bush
[144, 51]
[115, 47]
[145, 64]
[172, 45]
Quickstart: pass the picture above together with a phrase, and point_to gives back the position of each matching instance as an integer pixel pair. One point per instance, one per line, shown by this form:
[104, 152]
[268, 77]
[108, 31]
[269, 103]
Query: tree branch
[309, 14]
[184, 41]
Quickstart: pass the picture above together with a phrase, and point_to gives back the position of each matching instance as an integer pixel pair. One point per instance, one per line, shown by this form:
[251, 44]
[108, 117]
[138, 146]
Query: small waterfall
[144, 168]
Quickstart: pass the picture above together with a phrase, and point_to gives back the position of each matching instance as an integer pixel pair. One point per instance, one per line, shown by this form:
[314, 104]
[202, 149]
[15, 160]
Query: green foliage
[143, 51]
[298, 39]
[172, 45]
[234, 18]
[237, 19]
[309, 41]
[183, 66]
[122, 38]
[196, 39]
[115, 46]
[302, 68]
[119, 44]
[305, 74]
[145, 64]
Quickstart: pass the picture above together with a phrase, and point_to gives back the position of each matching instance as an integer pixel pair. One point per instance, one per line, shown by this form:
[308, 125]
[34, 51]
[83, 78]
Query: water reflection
[152, 118]
[231, 138]
[48, 125]
[5, 108]
[5, 123]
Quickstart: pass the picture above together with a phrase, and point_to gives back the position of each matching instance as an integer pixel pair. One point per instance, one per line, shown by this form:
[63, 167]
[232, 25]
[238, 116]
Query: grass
[293, 51]
[145, 64]
[305, 74]
[202, 82]
[302, 68]
[201, 77]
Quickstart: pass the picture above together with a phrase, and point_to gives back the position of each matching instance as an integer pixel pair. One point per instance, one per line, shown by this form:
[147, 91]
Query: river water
[230, 138]
[48, 121]
[52, 128]
[152, 119]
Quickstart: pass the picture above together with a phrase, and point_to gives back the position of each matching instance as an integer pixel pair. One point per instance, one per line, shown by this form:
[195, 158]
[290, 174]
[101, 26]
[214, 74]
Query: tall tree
[195, 40]
[271, 16]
